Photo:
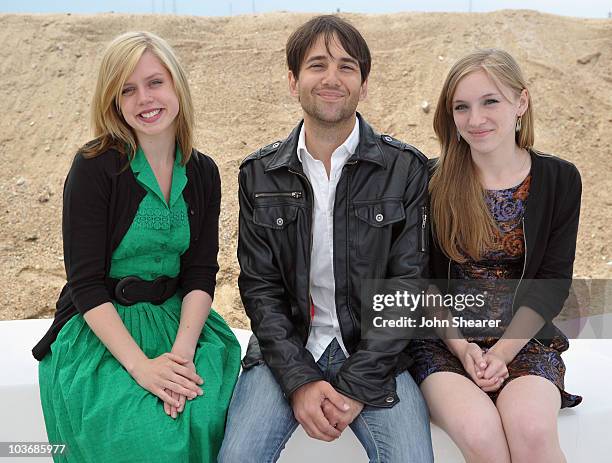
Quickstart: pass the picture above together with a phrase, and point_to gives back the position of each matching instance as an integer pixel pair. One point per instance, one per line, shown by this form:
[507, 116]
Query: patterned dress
[91, 403]
[497, 273]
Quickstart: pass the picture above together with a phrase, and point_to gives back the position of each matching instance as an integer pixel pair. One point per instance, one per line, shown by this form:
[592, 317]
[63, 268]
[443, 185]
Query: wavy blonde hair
[118, 62]
[462, 222]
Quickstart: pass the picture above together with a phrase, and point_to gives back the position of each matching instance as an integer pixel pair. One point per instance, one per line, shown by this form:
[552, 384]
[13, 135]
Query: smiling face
[148, 101]
[329, 86]
[485, 113]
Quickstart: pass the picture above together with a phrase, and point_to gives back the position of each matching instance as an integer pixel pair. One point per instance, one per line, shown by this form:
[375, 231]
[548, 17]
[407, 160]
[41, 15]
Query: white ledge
[583, 431]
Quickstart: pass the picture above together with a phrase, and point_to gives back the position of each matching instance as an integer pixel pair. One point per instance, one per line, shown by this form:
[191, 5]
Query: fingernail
[200, 392]
[346, 406]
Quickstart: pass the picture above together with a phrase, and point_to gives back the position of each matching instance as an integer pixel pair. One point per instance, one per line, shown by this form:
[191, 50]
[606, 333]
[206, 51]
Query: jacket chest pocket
[276, 217]
[278, 226]
[375, 222]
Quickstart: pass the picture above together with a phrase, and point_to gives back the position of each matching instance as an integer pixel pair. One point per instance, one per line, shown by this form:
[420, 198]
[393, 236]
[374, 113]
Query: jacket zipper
[299, 195]
[448, 275]
[423, 228]
[287, 194]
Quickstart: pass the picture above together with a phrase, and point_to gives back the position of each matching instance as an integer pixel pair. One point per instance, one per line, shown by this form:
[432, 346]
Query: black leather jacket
[380, 231]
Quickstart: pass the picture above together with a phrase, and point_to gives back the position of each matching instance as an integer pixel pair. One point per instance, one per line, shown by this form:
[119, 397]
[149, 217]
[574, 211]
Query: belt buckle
[119, 294]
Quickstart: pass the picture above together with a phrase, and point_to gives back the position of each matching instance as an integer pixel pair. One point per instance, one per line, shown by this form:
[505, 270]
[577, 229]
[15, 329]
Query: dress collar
[145, 176]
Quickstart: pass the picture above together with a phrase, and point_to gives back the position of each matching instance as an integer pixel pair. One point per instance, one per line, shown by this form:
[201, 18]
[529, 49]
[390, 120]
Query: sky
[586, 8]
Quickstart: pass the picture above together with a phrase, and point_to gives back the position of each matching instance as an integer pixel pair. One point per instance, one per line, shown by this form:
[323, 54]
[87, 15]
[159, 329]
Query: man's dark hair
[330, 27]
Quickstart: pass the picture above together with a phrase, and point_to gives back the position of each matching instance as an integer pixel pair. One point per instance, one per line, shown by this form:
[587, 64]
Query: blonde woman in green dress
[137, 367]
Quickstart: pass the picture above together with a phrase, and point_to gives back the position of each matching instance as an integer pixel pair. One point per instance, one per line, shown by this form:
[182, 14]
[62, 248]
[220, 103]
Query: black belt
[130, 290]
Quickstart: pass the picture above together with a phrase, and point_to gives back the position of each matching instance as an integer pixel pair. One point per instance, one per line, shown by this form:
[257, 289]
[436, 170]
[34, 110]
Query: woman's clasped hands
[487, 369]
[170, 377]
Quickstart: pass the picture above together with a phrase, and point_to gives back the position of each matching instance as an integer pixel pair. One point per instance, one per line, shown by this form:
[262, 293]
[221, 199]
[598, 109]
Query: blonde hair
[118, 63]
[462, 222]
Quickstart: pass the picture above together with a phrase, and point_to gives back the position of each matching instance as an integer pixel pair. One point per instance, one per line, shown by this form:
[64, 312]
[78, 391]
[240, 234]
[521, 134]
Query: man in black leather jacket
[332, 205]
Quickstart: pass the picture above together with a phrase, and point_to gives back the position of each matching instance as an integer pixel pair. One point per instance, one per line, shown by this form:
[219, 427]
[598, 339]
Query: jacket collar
[368, 149]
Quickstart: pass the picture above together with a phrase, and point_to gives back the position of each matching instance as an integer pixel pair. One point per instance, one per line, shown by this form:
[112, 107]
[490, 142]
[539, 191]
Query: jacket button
[280, 221]
[379, 217]
[388, 138]
[276, 145]
[390, 400]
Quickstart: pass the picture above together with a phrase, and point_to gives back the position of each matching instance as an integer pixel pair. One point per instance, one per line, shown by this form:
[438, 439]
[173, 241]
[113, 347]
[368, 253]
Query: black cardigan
[550, 227]
[101, 198]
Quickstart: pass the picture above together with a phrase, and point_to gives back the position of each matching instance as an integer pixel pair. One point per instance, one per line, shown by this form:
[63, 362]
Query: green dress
[92, 404]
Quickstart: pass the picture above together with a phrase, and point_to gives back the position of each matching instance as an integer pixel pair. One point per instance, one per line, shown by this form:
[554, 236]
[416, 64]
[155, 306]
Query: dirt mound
[236, 67]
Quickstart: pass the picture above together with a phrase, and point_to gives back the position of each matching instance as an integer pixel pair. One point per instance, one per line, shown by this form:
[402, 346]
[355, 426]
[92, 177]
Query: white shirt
[324, 327]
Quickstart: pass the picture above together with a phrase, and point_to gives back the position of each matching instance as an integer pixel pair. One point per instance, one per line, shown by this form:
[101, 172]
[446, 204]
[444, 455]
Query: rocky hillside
[236, 67]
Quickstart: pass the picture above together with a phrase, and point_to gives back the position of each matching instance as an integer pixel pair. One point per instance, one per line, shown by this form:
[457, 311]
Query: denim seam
[372, 436]
[282, 443]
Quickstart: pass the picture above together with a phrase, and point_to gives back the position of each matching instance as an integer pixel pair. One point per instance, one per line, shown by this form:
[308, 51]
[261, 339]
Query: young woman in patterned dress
[137, 367]
[501, 212]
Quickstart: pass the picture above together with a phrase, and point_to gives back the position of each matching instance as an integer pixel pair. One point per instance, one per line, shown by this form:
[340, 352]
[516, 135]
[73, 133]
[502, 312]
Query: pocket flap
[276, 217]
[380, 214]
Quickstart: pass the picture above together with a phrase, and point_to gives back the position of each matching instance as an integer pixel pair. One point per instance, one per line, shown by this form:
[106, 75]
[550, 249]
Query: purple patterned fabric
[504, 261]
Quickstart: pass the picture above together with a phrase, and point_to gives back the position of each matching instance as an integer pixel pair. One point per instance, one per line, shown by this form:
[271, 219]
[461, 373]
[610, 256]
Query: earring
[517, 127]
[458, 136]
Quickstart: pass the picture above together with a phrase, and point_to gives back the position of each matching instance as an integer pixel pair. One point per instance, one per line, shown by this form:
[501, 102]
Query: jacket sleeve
[368, 375]
[267, 306]
[86, 203]
[549, 289]
[199, 265]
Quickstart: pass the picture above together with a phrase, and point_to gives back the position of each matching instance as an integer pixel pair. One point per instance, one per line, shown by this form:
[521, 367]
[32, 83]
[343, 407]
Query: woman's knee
[481, 435]
[530, 433]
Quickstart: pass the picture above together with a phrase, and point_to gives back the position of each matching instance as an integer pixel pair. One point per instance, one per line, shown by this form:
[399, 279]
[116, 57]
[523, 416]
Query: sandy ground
[48, 65]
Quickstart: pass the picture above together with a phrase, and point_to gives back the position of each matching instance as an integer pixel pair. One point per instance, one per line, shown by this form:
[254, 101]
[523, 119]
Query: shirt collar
[368, 149]
[347, 148]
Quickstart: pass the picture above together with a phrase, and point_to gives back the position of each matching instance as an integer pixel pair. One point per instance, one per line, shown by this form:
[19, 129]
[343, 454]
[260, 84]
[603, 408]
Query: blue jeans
[260, 419]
